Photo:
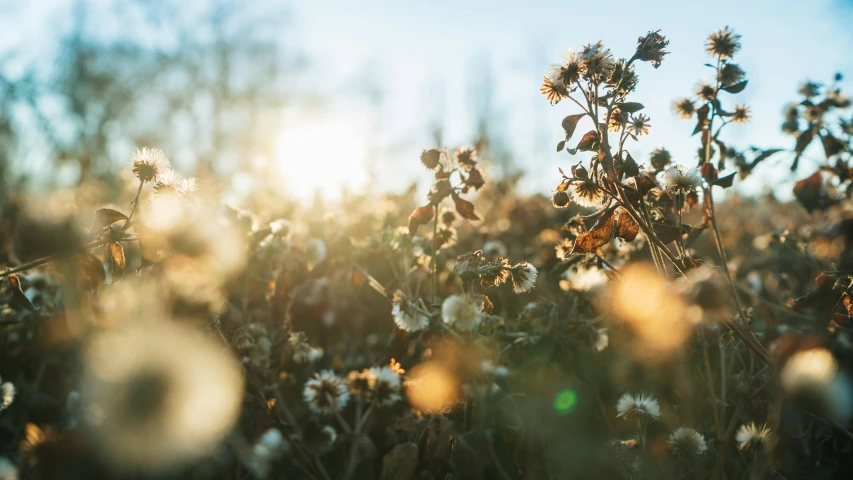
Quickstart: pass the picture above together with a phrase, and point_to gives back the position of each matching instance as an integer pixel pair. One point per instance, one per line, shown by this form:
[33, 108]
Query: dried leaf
[474, 179]
[809, 192]
[464, 208]
[612, 224]
[736, 87]
[832, 145]
[105, 217]
[561, 145]
[116, 260]
[19, 299]
[725, 182]
[702, 118]
[803, 141]
[570, 123]
[626, 228]
[420, 216]
[91, 269]
[589, 142]
[630, 107]
[629, 166]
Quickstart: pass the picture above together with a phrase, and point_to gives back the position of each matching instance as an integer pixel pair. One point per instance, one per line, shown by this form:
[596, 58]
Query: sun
[323, 156]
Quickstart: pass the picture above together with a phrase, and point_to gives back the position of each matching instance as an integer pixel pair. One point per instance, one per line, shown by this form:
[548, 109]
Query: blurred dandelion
[750, 437]
[642, 407]
[407, 315]
[680, 179]
[384, 386]
[326, 393]
[158, 394]
[523, 277]
[462, 312]
[149, 164]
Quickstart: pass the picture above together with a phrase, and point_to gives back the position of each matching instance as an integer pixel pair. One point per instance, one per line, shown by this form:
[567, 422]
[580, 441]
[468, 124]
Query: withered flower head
[814, 113]
[554, 93]
[406, 314]
[723, 43]
[750, 437]
[705, 91]
[358, 384]
[686, 442]
[326, 393]
[597, 63]
[494, 273]
[730, 74]
[384, 386]
[618, 119]
[467, 157]
[660, 158]
[462, 312]
[560, 199]
[680, 179]
[741, 114]
[639, 125]
[810, 89]
[650, 48]
[642, 407]
[523, 277]
[587, 194]
[568, 72]
[431, 158]
[684, 107]
[624, 79]
[149, 163]
[448, 218]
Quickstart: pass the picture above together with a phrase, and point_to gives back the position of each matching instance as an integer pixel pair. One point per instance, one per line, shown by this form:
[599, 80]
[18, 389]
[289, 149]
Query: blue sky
[428, 54]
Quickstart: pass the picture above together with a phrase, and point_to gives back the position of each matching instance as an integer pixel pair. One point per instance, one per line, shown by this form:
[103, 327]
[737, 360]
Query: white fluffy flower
[641, 407]
[523, 277]
[7, 395]
[751, 436]
[680, 179]
[462, 312]
[406, 316]
[686, 442]
[384, 386]
[326, 393]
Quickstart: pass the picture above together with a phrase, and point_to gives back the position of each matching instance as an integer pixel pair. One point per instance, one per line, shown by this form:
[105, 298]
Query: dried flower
[723, 43]
[750, 437]
[149, 164]
[302, 351]
[329, 434]
[639, 125]
[462, 312]
[326, 393]
[587, 194]
[730, 74]
[560, 199]
[618, 119]
[660, 158]
[466, 157]
[523, 277]
[384, 386]
[431, 158]
[624, 79]
[686, 442]
[358, 384]
[741, 114]
[680, 179]
[684, 107]
[554, 93]
[650, 48]
[706, 91]
[597, 62]
[406, 314]
[567, 73]
[641, 407]
[810, 89]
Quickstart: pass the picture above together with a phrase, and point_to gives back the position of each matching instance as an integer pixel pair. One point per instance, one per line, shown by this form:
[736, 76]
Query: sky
[427, 57]
[390, 72]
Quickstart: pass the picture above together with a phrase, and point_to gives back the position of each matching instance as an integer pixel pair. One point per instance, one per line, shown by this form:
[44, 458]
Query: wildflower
[7, 395]
[445, 237]
[686, 442]
[461, 312]
[639, 125]
[741, 114]
[641, 407]
[467, 157]
[587, 194]
[706, 91]
[660, 158]
[813, 375]
[810, 89]
[384, 386]
[679, 179]
[650, 48]
[358, 384]
[618, 119]
[723, 43]
[751, 436]
[560, 199]
[158, 395]
[684, 107]
[494, 273]
[326, 393]
[624, 79]
[568, 72]
[523, 277]
[149, 164]
[431, 158]
[730, 74]
[406, 314]
[814, 113]
[494, 248]
[554, 93]
[597, 62]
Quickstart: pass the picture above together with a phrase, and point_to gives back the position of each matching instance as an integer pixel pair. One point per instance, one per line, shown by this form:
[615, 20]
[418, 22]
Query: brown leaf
[105, 217]
[116, 260]
[420, 216]
[464, 208]
[474, 179]
[612, 224]
[570, 123]
[803, 141]
[91, 269]
[589, 142]
[809, 192]
[668, 233]
[832, 145]
[19, 299]
[626, 228]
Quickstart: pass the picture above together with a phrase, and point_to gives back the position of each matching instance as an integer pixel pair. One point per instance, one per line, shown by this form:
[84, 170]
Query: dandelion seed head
[523, 277]
[149, 164]
[326, 393]
[462, 312]
[750, 437]
[686, 442]
[405, 314]
[642, 407]
[384, 386]
[587, 194]
[679, 178]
